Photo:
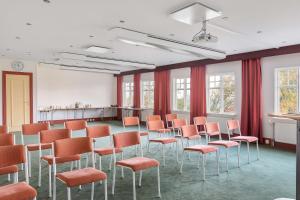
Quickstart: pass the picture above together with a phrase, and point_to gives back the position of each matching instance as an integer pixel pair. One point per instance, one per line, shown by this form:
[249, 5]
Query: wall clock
[17, 66]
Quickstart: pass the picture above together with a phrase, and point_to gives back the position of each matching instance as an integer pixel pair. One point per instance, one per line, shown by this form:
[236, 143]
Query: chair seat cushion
[164, 140]
[17, 191]
[81, 176]
[204, 149]
[138, 163]
[107, 151]
[164, 130]
[144, 133]
[224, 143]
[213, 133]
[245, 138]
[59, 160]
[35, 147]
[8, 170]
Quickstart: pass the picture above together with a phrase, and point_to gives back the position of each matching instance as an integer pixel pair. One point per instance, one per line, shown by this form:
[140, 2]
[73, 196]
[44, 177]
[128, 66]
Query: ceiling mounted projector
[203, 36]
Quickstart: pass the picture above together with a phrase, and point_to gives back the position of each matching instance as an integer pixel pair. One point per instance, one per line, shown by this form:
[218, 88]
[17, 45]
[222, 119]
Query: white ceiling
[66, 26]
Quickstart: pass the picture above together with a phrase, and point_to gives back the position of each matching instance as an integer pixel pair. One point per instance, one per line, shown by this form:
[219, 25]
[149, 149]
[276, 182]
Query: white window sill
[181, 111]
[224, 115]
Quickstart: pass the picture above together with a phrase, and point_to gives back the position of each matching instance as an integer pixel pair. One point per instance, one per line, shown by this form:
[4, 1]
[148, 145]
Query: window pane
[288, 100]
[215, 100]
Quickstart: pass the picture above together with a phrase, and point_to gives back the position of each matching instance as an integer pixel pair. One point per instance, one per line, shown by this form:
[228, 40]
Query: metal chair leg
[158, 182]
[133, 185]
[105, 189]
[248, 151]
[69, 193]
[49, 179]
[257, 149]
[140, 178]
[93, 191]
[114, 180]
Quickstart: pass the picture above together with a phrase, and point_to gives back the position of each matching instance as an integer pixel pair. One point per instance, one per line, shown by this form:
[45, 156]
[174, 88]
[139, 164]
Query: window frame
[124, 92]
[143, 93]
[185, 89]
[221, 93]
[276, 84]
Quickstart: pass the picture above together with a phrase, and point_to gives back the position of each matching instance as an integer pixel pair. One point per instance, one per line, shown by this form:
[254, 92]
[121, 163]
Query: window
[128, 94]
[286, 94]
[147, 94]
[221, 93]
[181, 94]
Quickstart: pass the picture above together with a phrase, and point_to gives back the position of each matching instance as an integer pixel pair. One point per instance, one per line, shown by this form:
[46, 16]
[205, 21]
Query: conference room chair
[152, 118]
[3, 129]
[200, 122]
[89, 175]
[212, 127]
[134, 121]
[169, 120]
[101, 132]
[10, 156]
[6, 140]
[33, 130]
[135, 164]
[191, 132]
[159, 127]
[75, 125]
[49, 137]
[233, 127]
[177, 124]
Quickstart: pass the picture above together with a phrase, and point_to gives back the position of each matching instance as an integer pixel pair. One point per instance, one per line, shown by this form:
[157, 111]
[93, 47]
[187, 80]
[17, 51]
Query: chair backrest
[131, 121]
[50, 136]
[72, 146]
[126, 139]
[7, 139]
[211, 127]
[155, 125]
[34, 129]
[3, 129]
[76, 125]
[178, 123]
[153, 118]
[98, 131]
[171, 117]
[233, 125]
[200, 121]
[189, 130]
[12, 155]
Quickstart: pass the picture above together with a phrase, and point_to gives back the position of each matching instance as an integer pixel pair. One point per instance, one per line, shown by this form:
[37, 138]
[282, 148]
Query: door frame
[4, 74]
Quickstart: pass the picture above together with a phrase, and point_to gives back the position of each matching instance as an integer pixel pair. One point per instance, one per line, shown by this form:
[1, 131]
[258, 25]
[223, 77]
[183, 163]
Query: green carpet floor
[270, 177]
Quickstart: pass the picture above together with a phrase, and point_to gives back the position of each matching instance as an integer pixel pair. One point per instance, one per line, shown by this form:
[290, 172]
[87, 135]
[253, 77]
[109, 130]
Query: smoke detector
[203, 36]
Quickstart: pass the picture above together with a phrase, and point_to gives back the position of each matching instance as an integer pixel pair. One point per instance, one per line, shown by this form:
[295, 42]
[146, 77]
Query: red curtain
[198, 92]
[137, 93]
[251, 116]
[119, 96]
[162, 93]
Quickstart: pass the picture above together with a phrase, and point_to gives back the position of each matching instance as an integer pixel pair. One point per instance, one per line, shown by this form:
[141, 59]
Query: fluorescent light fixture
[88, 58]
[195, 13]
[136, 43]
[97, 49]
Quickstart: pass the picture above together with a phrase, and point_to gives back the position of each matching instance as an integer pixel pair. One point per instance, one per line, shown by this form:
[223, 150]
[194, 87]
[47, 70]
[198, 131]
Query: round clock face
[17, 66]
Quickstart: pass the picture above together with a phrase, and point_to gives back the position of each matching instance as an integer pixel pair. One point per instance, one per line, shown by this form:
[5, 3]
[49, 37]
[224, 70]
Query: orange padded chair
[75, 125]
[169, 120]
[191, 131]
[152, 118]
[177, 124]
[200, 123]
[102, 131]
[135, 164]
[15, 155]
[6, 140]
[159, 127]
[214, 127]
[234, 125]
[31, 130]
[72, 147]
[49, 137]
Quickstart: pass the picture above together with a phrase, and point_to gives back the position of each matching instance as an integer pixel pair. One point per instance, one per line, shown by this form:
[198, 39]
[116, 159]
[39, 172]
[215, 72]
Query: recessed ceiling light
[71, 46]
[28, 24]
[122, 21]
[18, 38]
[172, 34]
[259, 32]
[136, 43]
[91, 36]
[46, 1]
[97, 49]
[2, 55]
[7, 49]
[283, 42]
[225, 18]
